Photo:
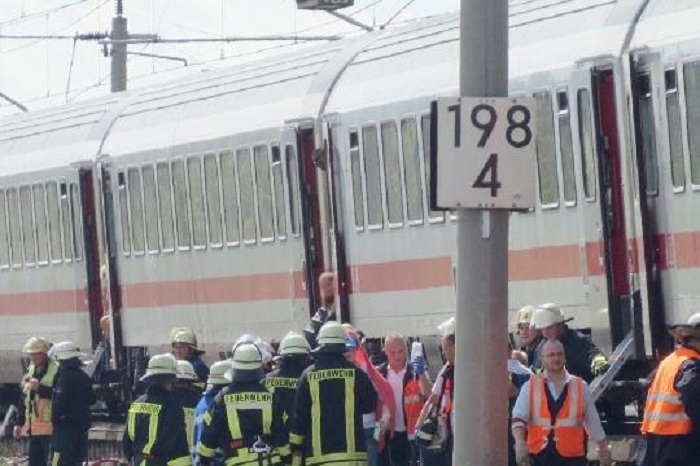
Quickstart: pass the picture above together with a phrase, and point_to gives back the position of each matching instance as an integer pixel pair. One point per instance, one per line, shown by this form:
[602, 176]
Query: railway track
[105, 442]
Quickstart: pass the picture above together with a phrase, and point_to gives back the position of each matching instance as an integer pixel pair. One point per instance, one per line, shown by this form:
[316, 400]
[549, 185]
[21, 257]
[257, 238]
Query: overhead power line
[39, 14]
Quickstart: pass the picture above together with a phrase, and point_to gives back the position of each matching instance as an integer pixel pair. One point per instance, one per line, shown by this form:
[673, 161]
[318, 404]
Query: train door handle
[303, 275]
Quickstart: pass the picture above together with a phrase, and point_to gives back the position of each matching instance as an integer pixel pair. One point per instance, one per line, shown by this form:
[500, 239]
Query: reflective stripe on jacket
[567, 432]
[39, 410]
[664, 413]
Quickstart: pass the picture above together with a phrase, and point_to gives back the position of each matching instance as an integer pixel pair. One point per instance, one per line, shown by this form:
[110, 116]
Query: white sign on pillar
[483, 153]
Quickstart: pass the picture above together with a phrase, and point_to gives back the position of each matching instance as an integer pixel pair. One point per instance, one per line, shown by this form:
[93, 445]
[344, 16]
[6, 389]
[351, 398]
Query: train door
[612, 211]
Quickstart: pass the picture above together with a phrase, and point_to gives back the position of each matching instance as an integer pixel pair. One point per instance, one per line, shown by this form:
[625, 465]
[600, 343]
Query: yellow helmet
[185, 335]
[36, 345]
[294, 343]
[524, 315]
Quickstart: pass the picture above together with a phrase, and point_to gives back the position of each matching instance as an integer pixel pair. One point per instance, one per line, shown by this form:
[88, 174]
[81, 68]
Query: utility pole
[481, 398]
[120, 32]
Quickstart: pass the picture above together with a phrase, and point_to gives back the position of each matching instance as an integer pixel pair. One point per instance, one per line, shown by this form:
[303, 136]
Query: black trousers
[399, 451]
[69, 445]
[39, 446]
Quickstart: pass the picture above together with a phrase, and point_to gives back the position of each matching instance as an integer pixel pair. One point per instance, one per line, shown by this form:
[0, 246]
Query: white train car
[215, 201]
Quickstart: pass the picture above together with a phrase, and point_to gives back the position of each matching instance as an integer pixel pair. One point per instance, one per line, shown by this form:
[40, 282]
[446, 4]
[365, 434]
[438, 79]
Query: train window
[150, 205]
[28, 236]
[15, 227]
[165, 206]
[66, 222]
[646, 120]
[136, 209]
[54, 220]
[294, 189]
[370, 152]
[435, 216]
[411, 170]
[4, 235]
[264, 191]
[77, 221]
[182, 220]
[585, 132]
[546, 150]
[42, 240]
[230, 192]
[245, 183]
[211, 184]
[392, 173]
[691, 77]
[199, 225]
[675, 137]
[356, 168]
[566, 148]
[123, 214]
[278, 183]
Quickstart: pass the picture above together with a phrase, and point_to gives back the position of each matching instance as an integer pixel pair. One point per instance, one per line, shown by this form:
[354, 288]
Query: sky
[40, 73]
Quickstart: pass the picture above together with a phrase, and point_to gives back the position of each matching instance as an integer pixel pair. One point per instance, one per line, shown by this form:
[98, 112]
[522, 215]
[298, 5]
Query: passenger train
[215, 201]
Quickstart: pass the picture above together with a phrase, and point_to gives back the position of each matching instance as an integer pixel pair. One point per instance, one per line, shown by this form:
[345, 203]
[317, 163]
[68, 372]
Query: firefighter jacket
[241, 417]
[36, 417]
[282, 383]
[665, 412]
[72, 396]
[564, 427]
[332, 396]
[319, 318]
[583, 358]
[412, 400]
[155, 430]
[203, 406]
[188, 399]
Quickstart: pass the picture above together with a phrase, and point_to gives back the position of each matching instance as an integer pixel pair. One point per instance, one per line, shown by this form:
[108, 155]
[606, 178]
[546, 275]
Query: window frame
[214, 154]
[647, 72]
[565, 113]
[165, 162]
[159, 236]
[372, 124]
[361, 166]
[42, 186]
[424, 161]
[684, 152]
[416, 120]
[186, 159]
[385, 194]
[249, 149]
[291, 194]
[59, 259]
[6, 228]
[20, 188]
[553, 205]
[137, 168]
[276, 224]
[256, 200]
[14, 264]
[591, 121]
[172, 161]
[122, 190]
[234, 164]
[65, 183]
[680, 76]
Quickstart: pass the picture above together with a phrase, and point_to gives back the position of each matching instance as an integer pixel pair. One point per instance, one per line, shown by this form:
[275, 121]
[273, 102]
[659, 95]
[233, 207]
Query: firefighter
[583, 358]
[241, 422]
[218, 379]
[72, 398]
[183, 342]
[294, 357]
[331, 398]
[187, 396]
[37, 393]
[672, 414]
[155, 428]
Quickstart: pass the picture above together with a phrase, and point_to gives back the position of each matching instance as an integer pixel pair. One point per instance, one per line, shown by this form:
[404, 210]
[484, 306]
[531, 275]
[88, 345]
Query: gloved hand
[599, 365]
[522, 454]
[418, 365]
[604, 456]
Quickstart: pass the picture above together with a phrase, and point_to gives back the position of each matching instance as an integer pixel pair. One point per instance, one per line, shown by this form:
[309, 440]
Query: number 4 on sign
[490, 170]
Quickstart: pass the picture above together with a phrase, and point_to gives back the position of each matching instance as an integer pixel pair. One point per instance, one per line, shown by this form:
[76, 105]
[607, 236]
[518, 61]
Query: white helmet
[331, 333]
[547, 315]
[448, 327]
[294, 343]
[691, 329]
[65, 350]
[185, 335]
[217, 374]
[161, 367]
[185, 371]
[247, 357]
[36, 345]
[524, 315]
[265, 348]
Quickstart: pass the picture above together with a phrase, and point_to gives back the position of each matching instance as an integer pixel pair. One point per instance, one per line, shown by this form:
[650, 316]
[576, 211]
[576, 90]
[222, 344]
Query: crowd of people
[317, 399]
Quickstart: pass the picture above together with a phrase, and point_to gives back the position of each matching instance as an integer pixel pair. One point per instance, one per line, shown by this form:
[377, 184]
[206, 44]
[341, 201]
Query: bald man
[557, 395]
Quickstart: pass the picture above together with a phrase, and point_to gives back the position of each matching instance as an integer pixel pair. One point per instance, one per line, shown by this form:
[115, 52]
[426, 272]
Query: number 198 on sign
[483, 153]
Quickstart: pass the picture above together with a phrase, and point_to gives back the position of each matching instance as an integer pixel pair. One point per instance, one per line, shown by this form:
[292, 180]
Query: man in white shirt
[551, 431]
[411, 387]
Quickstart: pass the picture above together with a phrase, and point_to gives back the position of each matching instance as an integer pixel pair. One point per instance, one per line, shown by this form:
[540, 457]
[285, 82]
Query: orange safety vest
[38, 418]
[569, 434]
[412, 404]
[664, 413]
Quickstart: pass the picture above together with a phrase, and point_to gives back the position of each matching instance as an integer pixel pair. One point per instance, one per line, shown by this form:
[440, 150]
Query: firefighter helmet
[36, 345]
[161, 368]
[546, 315]
[331, 337]
[217, 374]
[185, 371]
[524, 315]
[293, 343]
[65, 350]
[247, 357]
[185, 335]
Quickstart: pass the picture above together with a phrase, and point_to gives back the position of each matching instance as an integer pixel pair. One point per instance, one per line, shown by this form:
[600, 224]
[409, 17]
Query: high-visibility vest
[568, 432]
[412, 404]
[664, 413]
[38, 418]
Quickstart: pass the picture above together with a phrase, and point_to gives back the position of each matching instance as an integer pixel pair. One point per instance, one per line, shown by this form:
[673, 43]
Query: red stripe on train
[45, 302]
